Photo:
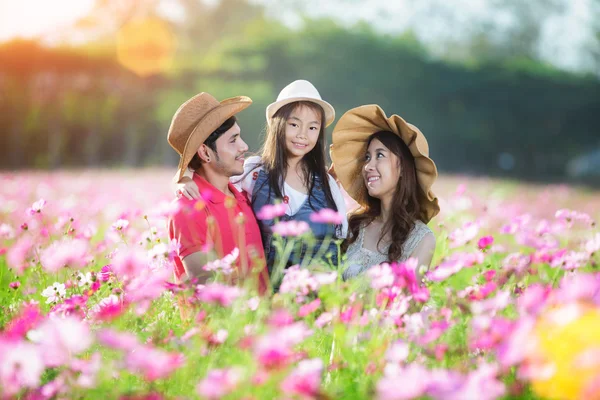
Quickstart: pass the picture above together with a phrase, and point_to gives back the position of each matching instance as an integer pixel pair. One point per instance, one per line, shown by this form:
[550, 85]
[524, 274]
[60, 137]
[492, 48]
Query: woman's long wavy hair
[274, 155]
[405, 209]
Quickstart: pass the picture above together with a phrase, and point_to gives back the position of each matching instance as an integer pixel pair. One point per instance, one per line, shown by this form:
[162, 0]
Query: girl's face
[302, 132]
[381, 171]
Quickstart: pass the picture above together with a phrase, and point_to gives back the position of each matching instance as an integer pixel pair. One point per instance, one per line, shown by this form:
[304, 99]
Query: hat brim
[349, 145]
[207, 125]
[328, 108]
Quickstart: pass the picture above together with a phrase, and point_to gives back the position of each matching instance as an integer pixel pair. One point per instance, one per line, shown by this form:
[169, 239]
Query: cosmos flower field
[510, 307]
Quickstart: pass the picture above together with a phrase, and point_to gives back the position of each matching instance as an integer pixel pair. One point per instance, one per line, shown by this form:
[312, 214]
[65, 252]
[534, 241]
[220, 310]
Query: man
[205, 134]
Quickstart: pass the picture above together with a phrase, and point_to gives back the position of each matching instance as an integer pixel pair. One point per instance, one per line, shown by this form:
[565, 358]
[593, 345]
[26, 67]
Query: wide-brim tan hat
[300, 90]
[349, 145]
[196, 119]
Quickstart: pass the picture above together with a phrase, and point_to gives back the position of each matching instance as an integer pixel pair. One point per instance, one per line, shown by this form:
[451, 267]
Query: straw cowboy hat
[300, 90]
[196, 119]
[349, 145]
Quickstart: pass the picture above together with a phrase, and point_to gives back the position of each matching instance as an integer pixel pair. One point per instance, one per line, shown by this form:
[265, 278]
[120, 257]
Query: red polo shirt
[220, 223]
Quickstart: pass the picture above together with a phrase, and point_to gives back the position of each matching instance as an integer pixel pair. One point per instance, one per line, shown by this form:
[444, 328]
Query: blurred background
[507, 88]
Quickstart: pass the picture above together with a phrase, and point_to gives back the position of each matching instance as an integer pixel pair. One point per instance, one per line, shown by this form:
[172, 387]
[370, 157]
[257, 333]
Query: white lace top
[361, 259]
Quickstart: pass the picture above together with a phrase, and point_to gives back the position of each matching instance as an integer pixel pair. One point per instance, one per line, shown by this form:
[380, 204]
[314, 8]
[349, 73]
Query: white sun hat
[300, 90]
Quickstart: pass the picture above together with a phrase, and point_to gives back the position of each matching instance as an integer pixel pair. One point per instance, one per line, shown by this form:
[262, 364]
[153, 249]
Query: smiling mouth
[300, 145]
[240, 158]
[372, 179]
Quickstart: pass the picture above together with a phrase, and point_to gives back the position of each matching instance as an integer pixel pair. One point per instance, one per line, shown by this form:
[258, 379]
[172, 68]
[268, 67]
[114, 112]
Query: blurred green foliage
[68, 107]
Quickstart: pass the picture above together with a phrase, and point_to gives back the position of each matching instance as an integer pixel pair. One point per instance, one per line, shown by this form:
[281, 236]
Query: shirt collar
[210, 193]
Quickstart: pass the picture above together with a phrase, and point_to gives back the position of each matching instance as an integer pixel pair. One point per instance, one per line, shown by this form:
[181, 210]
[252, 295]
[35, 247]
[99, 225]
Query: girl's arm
[187, 187]
[339, 203]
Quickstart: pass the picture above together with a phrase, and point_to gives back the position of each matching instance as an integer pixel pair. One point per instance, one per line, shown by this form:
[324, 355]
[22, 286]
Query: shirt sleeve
[246, 181]
[339, 203]
[189, 226]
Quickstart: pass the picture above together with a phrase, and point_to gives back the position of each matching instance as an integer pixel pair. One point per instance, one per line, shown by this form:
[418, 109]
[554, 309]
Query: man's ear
[204, 153]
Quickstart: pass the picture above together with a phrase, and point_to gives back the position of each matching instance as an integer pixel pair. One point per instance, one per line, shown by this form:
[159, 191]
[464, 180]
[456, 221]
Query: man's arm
[193, 266]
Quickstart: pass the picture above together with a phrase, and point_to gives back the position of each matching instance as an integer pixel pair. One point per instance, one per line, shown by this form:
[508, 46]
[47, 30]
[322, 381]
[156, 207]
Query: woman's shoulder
[252, 162]
[421, 228]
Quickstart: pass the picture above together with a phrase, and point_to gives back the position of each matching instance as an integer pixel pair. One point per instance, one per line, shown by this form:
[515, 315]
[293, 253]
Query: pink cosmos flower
[108, 309]
[73, 253]
[37, 207]
[324, 319]
[21, 367]
[18, 254]
[299, 281]
[280, 318]
[62, 339]
[6, 231]
[105, 273]
[271, 211]
[381, 275]
[592, 246]
[461, 236]
[216, 293]
[290, 228]
[327, 216]
[153, 363]
[219, 383]
[275, 349]
[130, 263]
[402, 383]
[15, 285]
[120, 225]
[305, 379]
[309, 308]
[117, 340]
[397, 352]
[225, 264]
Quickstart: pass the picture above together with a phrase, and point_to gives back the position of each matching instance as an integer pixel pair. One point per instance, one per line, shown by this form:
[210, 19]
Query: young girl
[392, 158]
[292, 169]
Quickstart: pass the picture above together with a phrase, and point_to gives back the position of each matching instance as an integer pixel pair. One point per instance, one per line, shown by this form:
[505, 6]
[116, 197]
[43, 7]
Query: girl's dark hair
[274, 156]
[405, 208]
[211, 142]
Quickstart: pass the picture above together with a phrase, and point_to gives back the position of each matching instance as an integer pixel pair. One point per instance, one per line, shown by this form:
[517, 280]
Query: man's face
[229, 157]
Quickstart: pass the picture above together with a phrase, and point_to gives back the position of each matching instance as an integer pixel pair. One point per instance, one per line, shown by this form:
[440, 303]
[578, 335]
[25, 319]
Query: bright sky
[564, 37]
[33, 18]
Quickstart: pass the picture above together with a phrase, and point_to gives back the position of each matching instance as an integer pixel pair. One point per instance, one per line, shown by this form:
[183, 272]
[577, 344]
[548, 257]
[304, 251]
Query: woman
[383, 164]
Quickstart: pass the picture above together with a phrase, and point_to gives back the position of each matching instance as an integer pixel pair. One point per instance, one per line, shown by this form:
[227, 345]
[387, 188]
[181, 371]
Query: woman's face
[381, 171]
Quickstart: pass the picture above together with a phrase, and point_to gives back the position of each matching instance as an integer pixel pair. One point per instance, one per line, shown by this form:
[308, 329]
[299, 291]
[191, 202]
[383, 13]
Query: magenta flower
[15, 285]
[29, 318]
[327, 216]
[291, 228]
[105, 273]
[108, 309]
[275, 349]
[219, 383]
[485, 242]
[281, 318]
[271, 211]
[305, 379]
